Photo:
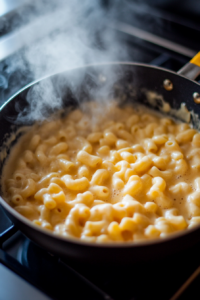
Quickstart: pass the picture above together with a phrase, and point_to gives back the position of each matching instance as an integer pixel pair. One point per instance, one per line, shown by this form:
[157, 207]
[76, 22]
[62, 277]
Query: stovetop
[29, 272]
[61, 279]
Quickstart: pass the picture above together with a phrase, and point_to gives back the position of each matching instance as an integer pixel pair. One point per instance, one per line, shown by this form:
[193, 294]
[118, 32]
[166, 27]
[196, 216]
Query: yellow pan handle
[196, 59]
[192, 69]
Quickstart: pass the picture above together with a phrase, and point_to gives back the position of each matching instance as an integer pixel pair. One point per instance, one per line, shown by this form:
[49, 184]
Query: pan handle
[192, 69]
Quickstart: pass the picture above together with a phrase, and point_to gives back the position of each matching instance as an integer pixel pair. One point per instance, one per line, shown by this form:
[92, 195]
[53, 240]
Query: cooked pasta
[107, 174]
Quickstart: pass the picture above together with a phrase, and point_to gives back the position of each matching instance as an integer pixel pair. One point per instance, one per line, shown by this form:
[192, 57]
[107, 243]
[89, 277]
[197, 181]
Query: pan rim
[93, 65]
[76, 241]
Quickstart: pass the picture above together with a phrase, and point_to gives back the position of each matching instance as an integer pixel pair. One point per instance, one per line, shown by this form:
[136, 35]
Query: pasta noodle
[124, 175]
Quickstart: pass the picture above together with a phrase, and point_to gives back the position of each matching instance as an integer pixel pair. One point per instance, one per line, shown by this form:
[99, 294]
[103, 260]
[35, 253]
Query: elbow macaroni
[125, 175]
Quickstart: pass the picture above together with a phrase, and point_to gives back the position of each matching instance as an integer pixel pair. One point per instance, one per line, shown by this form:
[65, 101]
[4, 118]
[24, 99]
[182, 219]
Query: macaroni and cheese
[107, 174]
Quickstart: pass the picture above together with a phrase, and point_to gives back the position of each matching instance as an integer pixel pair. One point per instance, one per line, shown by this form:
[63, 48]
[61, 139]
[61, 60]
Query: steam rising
[78, 34]
[42, 99]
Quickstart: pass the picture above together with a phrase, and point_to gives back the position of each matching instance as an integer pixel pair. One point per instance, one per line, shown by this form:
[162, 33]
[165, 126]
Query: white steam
[70, 34]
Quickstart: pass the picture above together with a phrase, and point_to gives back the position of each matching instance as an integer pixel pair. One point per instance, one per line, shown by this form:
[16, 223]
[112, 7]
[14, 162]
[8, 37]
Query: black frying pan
[127, 82]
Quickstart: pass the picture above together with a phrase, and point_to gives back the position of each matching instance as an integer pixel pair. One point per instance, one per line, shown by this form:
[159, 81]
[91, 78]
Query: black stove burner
[152, 280]
[57, 279]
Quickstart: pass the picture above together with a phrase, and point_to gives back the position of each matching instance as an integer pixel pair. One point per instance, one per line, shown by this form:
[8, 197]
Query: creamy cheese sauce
[107, 174]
